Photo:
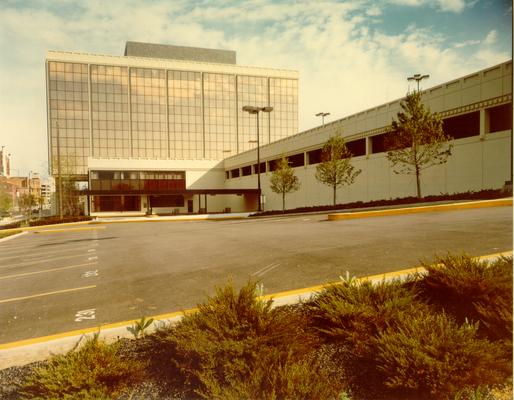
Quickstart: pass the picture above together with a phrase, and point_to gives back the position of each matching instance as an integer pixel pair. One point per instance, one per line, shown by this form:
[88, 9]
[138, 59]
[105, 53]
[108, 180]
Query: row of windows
[71, 85]
[467, 125]
[67, 67]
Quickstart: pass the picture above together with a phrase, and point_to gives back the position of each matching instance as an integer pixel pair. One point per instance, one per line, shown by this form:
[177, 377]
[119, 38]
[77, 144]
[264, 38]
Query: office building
[149, 130]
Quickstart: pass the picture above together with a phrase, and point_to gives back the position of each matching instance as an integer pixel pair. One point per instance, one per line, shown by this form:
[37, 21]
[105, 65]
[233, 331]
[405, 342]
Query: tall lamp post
[418, 78]
[256, 111]
[322, 115]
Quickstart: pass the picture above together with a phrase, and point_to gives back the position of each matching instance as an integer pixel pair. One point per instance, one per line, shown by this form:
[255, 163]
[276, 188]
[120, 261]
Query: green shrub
[57, 220]
[472, 290]
[355, 312]
[236, 346]
[350, 315]
[430, 356]
[93, 371]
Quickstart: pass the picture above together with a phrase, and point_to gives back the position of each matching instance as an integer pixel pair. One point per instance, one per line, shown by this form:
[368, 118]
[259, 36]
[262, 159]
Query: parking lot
[59, 280]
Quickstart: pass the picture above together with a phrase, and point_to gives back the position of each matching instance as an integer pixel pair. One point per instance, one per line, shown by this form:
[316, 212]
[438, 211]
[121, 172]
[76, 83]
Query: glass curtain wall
[164, 116]
[252, 91]
[220, 115]
[148, 110]
[110, 114]
[69, 116]
[185, 114]
[284, 100]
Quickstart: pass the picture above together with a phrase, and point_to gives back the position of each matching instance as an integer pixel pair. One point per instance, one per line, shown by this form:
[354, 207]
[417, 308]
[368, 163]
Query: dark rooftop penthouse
[152, 50]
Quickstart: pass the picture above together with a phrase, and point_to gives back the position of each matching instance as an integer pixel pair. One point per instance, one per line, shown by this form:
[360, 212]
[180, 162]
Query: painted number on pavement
[85, 314]
[89, 274]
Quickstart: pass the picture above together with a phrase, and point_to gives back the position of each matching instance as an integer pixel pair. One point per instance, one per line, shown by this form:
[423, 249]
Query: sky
[351, 55]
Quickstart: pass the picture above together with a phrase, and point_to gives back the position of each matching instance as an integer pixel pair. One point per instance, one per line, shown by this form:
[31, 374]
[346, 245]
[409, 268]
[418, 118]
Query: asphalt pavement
[59, 280]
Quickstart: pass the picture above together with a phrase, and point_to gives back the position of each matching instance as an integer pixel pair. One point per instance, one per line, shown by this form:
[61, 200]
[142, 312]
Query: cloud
[374, 11]
[491, 37]
[455, 6]
[466, 43]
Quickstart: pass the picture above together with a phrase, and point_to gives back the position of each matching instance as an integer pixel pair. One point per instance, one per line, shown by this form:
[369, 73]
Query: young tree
[26, 202]
[283, 180]
[5, 201]
[70, 192]
[417, 140]
[335, 169]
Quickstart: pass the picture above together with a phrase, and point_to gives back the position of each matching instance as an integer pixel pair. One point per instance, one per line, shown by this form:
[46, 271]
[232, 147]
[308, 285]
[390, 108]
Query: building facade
[149, 130]
[161, 129]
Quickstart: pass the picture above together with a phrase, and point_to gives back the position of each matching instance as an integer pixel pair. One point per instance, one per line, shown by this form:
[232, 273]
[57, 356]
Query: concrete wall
[476, 163]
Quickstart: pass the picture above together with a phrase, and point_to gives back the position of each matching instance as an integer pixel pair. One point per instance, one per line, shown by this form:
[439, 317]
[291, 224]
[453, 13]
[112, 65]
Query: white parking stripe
[24, 264]
[266, 269]
[39, 254]
[46, 271]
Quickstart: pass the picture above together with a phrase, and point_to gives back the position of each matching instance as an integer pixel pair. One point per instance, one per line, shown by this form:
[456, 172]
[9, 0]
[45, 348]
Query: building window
[357, 147]
[378, 144]
[297, 160]
[500, 118]
[130, 181]
[68, 109]
[148, 110]
[235, 173]
[462, 126]
[314, 156]
[283, 94]
[110, 118]
[219, 114]
[262, 168]
[185, 114]
[245, 171]
[272, 165]
[167, 201]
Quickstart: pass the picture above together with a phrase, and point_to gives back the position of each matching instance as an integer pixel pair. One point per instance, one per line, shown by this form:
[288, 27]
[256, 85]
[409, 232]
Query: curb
[36, 349]
[5, 239]
[206, 217]
[423, 209]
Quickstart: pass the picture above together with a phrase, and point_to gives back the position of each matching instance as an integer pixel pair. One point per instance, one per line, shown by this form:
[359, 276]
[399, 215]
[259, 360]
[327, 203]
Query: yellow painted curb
[85, 331]
[415, 210]
[34, 228]
[304, 291]
[86, 228]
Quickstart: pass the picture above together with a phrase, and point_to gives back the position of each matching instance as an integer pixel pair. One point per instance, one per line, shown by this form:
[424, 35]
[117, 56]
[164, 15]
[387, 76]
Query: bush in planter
[350, 315]
[58, 220]
[93, 371]
[236, 346]
[355, 312]
[473, 290]
[429, 356]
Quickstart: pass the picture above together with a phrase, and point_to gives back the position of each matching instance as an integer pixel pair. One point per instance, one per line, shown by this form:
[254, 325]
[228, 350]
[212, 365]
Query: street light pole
[256, 110]
[418, 78]
[322, 115]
